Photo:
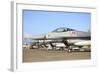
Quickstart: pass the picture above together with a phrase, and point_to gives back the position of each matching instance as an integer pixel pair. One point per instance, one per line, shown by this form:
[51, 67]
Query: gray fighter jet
[63, 32]
[63, 35]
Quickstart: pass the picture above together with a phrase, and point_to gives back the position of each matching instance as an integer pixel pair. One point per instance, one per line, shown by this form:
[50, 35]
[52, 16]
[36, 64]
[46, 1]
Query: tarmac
[41, 55]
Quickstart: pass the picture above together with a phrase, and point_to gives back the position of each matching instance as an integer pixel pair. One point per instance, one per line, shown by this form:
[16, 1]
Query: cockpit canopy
[63, 29]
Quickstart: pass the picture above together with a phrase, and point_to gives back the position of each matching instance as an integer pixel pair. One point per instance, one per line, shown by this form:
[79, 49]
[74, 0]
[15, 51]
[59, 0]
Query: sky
[40, 22]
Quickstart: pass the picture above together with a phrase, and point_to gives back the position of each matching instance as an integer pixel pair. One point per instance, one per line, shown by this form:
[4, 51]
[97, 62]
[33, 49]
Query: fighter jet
[64, 35]
[63, 32]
